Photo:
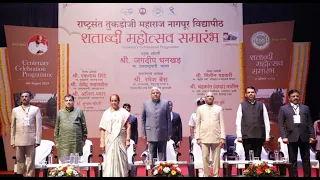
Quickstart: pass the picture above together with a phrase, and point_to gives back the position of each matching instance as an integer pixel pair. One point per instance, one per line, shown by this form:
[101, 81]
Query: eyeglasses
[209, 96]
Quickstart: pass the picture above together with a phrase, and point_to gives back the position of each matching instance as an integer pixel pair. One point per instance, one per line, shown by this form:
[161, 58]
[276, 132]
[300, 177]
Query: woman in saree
[115, 139]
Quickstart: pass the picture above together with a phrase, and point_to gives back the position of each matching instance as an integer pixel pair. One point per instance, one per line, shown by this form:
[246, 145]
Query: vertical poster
[33, 54]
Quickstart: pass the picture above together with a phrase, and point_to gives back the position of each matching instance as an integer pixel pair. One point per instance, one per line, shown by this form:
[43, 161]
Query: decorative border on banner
[307, 72]
[10, 81]
[1, 95]
[5, 86]
[68, 60]
[296, 67]
[242, 71]
[0, 125]
[58, 70]
[62, 75]
[301, 67]
[290, 71]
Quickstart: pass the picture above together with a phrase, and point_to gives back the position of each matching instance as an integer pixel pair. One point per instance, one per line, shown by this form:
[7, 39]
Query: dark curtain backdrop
[304, 15]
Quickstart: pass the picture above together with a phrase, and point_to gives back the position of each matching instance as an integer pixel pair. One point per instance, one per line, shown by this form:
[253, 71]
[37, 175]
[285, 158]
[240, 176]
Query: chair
[131, 153]
[314, 156]
[42, 153]
[230, 154]
[196, 156]
[172, 152]
[265, 154]
[87, 155]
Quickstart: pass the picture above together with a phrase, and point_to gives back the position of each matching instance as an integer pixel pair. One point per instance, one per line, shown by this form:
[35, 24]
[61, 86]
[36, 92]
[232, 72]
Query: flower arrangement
[65, 171]
[166, 169]
[260, 169]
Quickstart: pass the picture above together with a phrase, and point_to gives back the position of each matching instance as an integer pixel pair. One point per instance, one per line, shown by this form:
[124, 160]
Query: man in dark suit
[176, 126]
[133, 123]
[296, 128]
[156, 124]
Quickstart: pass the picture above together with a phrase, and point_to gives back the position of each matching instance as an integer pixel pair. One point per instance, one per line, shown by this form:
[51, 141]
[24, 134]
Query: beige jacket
[210, 124]
[22, 134]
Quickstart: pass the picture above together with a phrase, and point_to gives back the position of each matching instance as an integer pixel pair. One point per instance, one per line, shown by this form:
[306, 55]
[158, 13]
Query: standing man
[316, 127]
[156, 124]
[192, 121]
[133, 124]
[252, 124]
[298, 131]
[70, 132]
[210, 133]
[26, 133]
[176, 126]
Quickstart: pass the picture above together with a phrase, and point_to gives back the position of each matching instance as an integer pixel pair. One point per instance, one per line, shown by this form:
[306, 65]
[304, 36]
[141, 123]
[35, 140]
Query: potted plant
[260, 169]
[65, 171]
[166, 169]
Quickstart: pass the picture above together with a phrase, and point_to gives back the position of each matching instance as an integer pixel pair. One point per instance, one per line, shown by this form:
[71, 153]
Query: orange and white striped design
[299, 68]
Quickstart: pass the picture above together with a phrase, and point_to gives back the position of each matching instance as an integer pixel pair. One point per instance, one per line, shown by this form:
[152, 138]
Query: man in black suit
[296, 128]
[176, 126]
[134, 125]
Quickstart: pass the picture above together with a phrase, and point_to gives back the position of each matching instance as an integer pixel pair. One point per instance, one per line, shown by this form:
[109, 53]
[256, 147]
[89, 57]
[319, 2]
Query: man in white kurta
[210, 133]
[26, 133]
[37, 47]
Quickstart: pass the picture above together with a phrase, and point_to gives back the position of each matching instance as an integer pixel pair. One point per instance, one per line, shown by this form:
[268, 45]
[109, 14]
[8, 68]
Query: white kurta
[33, 48]
[317, 131]
[115, 160]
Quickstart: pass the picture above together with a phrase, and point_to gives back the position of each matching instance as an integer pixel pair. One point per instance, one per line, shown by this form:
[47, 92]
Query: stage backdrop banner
[267, 52]
[127, 49]
[33, 54]
[267, 58]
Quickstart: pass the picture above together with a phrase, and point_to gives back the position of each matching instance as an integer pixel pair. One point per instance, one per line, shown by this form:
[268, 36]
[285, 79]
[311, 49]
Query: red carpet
[142, 172]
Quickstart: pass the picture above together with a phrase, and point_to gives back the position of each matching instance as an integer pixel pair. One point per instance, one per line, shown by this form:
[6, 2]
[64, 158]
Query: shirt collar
[252, 103]
[69, 110]
[293, 105]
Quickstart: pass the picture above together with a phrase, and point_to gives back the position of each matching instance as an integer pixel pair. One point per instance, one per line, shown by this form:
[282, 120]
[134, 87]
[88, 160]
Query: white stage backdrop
[124, 48]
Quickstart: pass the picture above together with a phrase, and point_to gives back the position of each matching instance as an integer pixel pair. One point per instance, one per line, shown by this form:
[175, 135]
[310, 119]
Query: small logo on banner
[171, 11]
[142, 11]
[126, 11]
[230, 37]
[157, 11]
[260, 40]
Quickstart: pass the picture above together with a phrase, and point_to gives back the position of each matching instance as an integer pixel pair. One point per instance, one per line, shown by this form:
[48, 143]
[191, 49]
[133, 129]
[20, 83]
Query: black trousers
[190, 140]
[305, 156]
[158, 148]
[254, 144]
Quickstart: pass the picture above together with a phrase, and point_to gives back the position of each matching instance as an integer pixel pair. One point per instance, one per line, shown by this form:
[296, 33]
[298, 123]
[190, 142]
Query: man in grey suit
[296, 128]
[156, 124]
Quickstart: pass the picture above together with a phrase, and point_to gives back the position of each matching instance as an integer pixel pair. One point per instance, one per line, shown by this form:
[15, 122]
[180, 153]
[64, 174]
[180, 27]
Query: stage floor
[141, 172]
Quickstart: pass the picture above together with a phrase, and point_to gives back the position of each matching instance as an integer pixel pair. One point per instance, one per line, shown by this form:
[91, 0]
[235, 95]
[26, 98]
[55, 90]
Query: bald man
[37, 47]
[156, 124]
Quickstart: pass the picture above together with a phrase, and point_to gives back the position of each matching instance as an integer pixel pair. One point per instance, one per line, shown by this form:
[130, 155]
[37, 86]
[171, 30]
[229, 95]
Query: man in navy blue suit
[134, 125]
[176, 126]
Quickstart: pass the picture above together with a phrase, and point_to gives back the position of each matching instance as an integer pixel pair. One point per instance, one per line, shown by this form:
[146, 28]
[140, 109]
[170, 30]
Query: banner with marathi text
[267, 58]
[129, 48]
